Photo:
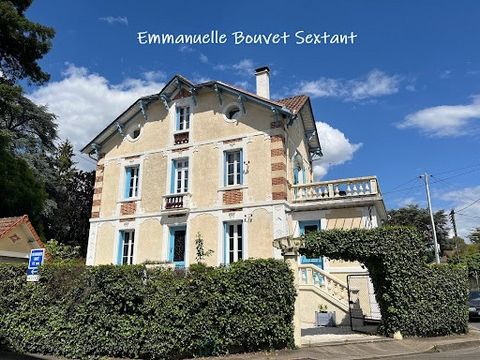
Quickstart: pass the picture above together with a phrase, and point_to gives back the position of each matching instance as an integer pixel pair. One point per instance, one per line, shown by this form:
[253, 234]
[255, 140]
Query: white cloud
[376, 83]
[469, 218]
[242, 85]
[115, 20]
[244, 67]
[186, 49]
[86, 102]
[446, 74]
[445, 120]
[154, 75]
[203, 58]
[336, 148]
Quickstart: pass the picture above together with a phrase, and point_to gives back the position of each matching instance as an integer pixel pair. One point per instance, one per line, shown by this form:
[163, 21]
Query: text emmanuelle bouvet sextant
[300, 37]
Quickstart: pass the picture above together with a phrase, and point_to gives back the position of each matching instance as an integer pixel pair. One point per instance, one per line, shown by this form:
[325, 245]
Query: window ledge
[137, 198]
[233, 187]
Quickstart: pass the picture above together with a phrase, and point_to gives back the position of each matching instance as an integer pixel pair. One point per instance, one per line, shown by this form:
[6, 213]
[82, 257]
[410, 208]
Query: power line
[469, 205]
[469, 216]
[460, 174]
[458, 169]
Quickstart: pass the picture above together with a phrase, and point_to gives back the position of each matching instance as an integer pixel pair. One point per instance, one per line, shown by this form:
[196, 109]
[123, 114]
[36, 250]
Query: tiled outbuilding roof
[8, 223]
[294, 103]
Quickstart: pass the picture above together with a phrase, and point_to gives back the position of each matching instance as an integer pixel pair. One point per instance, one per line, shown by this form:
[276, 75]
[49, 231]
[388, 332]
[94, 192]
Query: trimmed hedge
[127, 311]
[414, 298]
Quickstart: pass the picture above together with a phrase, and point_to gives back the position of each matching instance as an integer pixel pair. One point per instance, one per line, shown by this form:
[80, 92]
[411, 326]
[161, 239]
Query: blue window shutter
[241, 167]
[177, 122]
[225, 243]
[128, 177]
[225, 167]
[173, 177]
[295, 176]
[120, 247]
[171, 244]
[304, 176]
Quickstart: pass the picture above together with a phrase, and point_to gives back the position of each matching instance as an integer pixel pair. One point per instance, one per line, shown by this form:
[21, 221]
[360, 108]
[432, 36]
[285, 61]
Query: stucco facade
[213, 161]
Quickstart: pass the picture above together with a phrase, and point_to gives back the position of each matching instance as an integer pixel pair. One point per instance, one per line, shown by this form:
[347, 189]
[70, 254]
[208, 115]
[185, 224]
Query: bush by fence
[414, 298]
[127, 311]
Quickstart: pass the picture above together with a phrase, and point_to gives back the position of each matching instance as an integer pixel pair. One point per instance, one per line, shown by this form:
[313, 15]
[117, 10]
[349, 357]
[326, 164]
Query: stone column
[290, 251]
[291, 258]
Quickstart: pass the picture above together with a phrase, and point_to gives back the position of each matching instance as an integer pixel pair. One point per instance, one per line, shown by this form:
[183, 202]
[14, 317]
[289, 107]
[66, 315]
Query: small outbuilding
[17, 238]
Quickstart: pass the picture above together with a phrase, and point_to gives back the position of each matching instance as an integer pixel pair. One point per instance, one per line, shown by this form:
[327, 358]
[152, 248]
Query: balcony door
[177, 246]
[180, 177]
[305, 228]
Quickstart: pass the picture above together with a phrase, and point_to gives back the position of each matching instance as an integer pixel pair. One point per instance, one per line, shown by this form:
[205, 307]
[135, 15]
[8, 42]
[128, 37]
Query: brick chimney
[263, 81]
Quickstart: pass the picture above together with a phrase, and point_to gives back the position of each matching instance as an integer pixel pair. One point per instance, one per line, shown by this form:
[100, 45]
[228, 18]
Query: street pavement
[462, 347]
[461, 354]
[475, 324]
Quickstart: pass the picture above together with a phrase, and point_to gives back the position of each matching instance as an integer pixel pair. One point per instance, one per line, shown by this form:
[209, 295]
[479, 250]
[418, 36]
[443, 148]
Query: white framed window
[132, 174]
[234, 249]
[180, 176]
[233, 170]
[183, 118]
[127, 245]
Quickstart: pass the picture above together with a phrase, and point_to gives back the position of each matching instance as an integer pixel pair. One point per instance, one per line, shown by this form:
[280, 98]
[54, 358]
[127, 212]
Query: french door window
[233, 242]
[181, 176]
[128, 237]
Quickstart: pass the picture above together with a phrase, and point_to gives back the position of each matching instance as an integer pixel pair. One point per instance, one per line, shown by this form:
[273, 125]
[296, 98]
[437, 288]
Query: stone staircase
[319, 287]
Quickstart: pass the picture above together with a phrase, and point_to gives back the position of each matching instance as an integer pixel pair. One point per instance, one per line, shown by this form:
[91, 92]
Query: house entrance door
[305, 228]
[177, 246]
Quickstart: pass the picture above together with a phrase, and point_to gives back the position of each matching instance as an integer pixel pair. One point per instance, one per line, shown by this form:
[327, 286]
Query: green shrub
[414, 298]
[127, 311]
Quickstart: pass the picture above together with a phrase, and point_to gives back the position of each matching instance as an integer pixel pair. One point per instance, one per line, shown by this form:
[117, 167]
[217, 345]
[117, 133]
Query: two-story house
[216, 161]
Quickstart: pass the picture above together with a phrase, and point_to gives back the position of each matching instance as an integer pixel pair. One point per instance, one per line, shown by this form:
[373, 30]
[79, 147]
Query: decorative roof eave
[175, 84]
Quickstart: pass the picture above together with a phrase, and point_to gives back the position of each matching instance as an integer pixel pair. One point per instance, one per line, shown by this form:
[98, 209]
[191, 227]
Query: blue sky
[401, 100]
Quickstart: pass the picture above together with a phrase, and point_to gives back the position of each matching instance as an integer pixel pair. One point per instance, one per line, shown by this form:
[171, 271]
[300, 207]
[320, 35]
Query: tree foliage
[414, 298]
[22, 192]
[419, 218]
[22, 43]
[474, 236]
[72, 190]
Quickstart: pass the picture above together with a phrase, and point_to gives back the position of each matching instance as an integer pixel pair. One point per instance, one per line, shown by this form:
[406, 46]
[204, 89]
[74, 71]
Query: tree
[72, 193]
[419, 218]
[22, 43]
[31, 127]
[474, 236]
[22, 192]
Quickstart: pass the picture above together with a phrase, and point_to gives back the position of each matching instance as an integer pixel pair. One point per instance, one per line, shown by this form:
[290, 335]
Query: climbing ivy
[415, 298]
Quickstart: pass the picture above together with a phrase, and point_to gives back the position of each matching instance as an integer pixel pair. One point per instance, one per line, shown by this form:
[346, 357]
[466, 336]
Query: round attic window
[134, 132]
[233, 112]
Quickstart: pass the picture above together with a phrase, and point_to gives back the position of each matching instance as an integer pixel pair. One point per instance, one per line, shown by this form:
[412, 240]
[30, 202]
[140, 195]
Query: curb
[457, 345]
[344, 342]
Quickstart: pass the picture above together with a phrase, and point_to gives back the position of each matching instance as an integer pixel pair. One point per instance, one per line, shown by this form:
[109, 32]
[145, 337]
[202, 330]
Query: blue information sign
[34, 262]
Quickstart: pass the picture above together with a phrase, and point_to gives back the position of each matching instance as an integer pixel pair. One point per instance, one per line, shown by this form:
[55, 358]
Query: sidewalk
[374, 348]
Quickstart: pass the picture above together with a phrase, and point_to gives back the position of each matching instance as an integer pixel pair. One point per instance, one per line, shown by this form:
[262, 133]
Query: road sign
[34, 262]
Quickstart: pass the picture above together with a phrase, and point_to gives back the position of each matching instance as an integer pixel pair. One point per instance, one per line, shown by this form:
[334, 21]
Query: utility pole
[454, 225]
[426, 178]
